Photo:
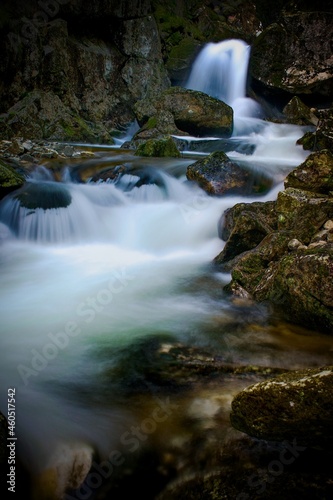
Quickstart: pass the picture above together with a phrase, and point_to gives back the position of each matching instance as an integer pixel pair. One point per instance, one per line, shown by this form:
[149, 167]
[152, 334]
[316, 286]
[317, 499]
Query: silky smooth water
[83, 284]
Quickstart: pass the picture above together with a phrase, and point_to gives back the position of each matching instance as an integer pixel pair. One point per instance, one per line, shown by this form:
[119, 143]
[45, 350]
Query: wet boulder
[228, 220]
[218, 175]
[45, 195]
[290, 268]
[249, 269]
[295, 406]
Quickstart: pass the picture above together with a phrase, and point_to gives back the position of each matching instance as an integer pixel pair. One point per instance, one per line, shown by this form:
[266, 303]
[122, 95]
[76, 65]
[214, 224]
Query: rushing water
[119, 263]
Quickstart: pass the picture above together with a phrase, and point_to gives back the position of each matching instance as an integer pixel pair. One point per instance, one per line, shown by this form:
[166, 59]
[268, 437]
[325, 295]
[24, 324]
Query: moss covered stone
[158, 147]
[315, 174]
[10, 179]
[300, 286]
[303, 211]
[192, 112]
[295, 406]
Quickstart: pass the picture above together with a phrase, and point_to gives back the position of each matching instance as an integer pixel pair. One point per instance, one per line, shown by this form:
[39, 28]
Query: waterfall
[220, 70]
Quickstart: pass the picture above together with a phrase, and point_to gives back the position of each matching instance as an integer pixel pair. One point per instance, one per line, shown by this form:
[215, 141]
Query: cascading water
[221, 70]
[107, 265]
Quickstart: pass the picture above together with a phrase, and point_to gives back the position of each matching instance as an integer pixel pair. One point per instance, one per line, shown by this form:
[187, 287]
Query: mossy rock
[249, 268]
[181, 57]
[295, 406]
[10, 180]
[164, 147]
[315, 174]
[186, 110]
[298, 113]
[303, 212]
[300, 287]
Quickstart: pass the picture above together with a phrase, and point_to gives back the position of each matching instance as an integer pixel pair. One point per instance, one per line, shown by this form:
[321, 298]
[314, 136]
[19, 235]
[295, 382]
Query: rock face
[78, 71]
[293, 56]
[295, 407]
[282, 252]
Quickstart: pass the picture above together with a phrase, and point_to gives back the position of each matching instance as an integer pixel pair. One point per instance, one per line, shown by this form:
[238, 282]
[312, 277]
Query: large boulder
[193, 112]
[303, 212]
[243, 230]
[295, 406]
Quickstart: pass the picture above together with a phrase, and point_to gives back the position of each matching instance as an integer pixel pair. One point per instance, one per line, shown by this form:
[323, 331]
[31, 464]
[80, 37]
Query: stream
[96, 290]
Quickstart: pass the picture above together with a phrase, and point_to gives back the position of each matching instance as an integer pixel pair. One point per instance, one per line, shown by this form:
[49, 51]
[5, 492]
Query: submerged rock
[296, 407]
[45, 195]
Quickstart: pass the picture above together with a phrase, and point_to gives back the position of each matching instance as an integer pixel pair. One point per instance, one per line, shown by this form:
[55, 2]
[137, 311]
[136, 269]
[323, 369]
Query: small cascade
[52, 212]
[221, 70]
